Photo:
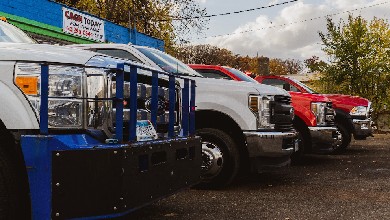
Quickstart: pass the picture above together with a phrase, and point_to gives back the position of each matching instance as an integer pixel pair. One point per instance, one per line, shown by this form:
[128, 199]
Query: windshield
[167, 62]
[242, 76]
[307, 88]
[11, 34]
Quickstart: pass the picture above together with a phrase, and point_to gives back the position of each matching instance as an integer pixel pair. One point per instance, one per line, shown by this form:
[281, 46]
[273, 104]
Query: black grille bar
[329, 114]
[281, 113]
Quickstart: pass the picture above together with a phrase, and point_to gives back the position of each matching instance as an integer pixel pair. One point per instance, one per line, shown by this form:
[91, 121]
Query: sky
[288, 31]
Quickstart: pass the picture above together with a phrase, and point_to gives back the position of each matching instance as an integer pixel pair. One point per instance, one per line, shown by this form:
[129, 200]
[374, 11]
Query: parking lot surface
[350, 185]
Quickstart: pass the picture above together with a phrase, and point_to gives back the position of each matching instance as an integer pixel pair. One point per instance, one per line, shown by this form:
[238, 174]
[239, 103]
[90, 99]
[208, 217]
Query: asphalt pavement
[350, 185]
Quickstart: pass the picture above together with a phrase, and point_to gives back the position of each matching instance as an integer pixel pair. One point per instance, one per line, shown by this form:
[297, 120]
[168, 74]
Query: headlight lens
[65, 92]
[261, 108]
[318, 109]
[359, 111]
[99, 86]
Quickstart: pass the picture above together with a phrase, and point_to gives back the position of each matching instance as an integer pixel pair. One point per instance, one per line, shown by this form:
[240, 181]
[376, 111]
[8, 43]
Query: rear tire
[221, 158]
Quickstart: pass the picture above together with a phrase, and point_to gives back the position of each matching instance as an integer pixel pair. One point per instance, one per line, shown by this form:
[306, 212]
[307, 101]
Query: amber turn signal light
[28, 84]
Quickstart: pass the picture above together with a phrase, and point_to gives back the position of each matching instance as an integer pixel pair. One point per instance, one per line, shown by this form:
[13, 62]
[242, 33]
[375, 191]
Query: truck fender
[244, 118]
[305, 115]
[15, 111]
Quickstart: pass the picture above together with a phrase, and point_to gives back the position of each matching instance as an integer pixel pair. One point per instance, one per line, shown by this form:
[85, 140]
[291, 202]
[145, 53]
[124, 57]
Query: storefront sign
[82, 25]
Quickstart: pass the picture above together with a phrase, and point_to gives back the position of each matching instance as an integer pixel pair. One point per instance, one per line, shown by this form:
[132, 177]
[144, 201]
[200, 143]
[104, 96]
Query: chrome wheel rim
[212, 160]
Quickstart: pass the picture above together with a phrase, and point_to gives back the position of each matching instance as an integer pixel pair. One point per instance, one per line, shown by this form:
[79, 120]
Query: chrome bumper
[324, 139]
[362, 127]
[271, 144]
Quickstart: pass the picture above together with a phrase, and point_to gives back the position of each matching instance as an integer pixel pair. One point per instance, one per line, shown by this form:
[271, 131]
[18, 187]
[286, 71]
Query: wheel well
[11, 147]
[299, 124]
[223, 122]
[344, 118]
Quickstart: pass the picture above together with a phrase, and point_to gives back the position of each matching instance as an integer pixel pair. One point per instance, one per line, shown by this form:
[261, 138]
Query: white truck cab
[240, 123]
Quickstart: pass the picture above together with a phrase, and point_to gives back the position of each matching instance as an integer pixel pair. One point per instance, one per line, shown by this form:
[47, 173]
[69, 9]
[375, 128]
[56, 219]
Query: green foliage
[158, 18]
[315, 65]
[359, 55]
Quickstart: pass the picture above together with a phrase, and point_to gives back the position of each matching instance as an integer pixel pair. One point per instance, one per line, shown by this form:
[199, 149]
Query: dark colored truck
[353, 113]
[314, 115]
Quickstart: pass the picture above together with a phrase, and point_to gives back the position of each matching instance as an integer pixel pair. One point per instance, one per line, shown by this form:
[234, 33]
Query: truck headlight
[261, 108]
[65, 92]
[359, 111]
[318, 109]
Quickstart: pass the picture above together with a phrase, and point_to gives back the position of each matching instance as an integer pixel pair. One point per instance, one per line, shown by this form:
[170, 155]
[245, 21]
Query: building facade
[55, 23]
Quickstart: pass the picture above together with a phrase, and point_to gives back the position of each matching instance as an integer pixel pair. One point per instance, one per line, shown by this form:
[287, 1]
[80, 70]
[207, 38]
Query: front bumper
[75, 176]
[324, 139]
[270, 144]
[362, 128]
[270, 149]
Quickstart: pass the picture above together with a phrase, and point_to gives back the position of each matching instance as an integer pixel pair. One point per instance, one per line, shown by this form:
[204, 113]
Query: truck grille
[144, 96]
[370, 111]
[281, 113]
[329, 115]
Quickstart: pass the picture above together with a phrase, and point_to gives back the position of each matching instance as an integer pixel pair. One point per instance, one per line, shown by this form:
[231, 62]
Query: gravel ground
[351, 185]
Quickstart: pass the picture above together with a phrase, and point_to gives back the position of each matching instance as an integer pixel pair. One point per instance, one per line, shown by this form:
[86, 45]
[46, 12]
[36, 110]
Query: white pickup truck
[242, 125]
[65, 151]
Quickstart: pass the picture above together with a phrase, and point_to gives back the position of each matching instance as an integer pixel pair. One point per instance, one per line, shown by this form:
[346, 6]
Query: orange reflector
[28, 84]
[3, 19]
[254, 103]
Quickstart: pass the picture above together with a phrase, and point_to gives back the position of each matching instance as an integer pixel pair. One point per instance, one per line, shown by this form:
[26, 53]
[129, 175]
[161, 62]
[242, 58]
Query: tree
[277, 67]
[169, 20]
[359, 56]
[293, 66]
[247, 64]
[283, 67]
[213, 55]
[314, 64]
[207, 54]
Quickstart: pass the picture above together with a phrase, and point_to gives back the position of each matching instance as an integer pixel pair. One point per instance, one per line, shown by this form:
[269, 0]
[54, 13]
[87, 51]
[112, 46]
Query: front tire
[304, 144]
[13, 195]
[345, 137]
[221, 158]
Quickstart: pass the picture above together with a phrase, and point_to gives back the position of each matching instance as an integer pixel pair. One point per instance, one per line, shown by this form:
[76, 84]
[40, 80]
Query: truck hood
[231, 86]
[269, 90]
[308, 96]
[43, 53]
[347, 102]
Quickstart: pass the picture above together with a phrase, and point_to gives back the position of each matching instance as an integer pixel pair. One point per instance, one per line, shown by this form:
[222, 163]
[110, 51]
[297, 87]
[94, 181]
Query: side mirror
[286, 87]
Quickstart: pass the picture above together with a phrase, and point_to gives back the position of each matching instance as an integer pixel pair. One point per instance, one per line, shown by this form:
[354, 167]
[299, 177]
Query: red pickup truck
[353, 113]
[314, 115]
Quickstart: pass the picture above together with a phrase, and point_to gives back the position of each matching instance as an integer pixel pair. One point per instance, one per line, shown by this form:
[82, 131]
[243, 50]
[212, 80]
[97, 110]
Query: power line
[296, 22]
[230, 13]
